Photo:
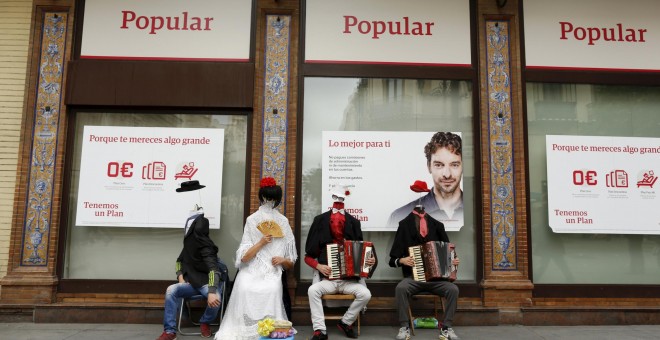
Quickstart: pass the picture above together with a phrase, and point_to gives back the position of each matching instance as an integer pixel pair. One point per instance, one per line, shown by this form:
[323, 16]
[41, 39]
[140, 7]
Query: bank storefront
[556, 106]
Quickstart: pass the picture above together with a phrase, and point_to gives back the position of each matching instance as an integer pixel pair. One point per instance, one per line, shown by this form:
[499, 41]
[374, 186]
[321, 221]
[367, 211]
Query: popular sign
[416, 32]
[592, 34]
[167, 29]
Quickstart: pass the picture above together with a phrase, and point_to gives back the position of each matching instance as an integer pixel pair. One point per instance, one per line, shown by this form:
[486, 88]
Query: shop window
[146, 253]
[393, 89]
[597, 110]
[554, 102]
[374, 104]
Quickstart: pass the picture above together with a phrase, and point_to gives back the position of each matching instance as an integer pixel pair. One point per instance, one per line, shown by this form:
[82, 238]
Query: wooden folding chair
[437, 300]
[349, 297]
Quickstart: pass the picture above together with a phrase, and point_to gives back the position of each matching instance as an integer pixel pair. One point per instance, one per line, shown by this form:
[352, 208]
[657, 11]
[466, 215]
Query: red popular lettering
[155, 23]
[594, 34]
[376, 28]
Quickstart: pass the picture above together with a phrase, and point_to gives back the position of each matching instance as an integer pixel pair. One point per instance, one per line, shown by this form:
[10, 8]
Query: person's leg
[450, 291]
[173, 297]
[211, 312]
[402, 293]
[362, 297]
[314, 293]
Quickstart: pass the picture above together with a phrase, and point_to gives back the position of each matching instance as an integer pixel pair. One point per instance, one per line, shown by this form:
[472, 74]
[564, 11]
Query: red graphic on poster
[188, 171]
[617, 179]
[585, 177]
[154, 170]
[648, 180]
[124, 169]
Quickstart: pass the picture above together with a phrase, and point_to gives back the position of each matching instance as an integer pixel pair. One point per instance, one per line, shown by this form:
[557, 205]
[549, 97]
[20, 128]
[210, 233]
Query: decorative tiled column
[275, 100]
[36, 232]
[500, 135]
[278, 88]
[505, 284]
[30, 267]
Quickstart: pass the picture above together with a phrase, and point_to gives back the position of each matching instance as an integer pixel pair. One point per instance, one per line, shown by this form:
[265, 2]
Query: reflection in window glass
[588, 110]
[150, 253]
[361, 104]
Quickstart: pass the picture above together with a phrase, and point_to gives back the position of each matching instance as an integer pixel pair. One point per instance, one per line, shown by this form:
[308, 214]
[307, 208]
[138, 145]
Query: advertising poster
[603, 185]
[129, 176]
[379, 168]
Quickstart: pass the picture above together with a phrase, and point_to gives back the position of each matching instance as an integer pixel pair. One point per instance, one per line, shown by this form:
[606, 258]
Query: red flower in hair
[347, 193]
[268, 182]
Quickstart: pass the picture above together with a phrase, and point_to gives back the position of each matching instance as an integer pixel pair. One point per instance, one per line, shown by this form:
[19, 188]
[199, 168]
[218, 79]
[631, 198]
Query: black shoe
[318, 335]
[348, 330]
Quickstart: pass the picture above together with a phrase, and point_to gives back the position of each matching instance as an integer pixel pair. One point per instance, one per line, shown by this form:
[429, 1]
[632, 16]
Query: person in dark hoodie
[197, 272]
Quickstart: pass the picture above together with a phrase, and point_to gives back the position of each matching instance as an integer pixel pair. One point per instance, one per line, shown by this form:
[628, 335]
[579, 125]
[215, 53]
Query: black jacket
[320, 235]
[408, 236]
[198, 261]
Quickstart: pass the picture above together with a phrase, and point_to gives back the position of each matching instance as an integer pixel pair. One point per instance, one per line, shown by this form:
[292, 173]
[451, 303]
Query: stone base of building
[378, 316]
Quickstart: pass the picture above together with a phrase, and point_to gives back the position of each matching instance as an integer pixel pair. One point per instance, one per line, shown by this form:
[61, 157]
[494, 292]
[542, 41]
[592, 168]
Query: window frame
[613, 77]
[384, 288]
[125, 286]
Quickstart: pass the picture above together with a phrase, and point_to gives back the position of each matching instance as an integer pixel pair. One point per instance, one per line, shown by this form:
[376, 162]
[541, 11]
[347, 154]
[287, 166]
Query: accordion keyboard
[334, 261]
[418, 268]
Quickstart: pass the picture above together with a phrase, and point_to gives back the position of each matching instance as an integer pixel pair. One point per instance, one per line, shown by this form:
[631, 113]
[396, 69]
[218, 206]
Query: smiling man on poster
[444, 160]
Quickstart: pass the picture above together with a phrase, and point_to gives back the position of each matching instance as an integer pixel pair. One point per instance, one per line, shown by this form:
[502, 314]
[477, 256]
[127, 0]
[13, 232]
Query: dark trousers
[408, 287]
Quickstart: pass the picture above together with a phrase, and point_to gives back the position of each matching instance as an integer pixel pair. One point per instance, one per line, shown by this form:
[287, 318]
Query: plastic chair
[426, 295]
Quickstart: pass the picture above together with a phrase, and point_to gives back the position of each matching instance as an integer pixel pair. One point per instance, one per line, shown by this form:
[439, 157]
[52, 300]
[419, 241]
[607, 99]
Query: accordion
[433, 261]
[348, 259]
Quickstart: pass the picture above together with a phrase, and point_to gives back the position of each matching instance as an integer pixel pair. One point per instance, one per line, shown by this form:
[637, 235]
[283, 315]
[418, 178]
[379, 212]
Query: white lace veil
[280, 246]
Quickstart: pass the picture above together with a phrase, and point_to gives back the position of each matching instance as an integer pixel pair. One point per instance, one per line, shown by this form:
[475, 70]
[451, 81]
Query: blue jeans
[173, 297]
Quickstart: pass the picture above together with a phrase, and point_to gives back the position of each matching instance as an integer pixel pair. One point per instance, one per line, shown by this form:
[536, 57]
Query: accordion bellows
[433, 261]
[348, 259]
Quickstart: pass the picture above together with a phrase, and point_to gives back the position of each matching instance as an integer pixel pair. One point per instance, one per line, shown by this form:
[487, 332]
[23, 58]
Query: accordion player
[348, 259]
[433, 261]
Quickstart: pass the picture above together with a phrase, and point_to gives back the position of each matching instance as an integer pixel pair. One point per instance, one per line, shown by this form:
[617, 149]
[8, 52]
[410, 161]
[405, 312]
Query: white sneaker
[404, 333]
[448, 334]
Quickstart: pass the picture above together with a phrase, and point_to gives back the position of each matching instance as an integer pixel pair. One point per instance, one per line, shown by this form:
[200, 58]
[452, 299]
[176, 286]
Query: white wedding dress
[257, 292]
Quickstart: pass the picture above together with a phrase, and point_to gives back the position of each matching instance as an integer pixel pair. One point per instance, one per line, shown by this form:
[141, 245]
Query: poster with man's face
[379, 168]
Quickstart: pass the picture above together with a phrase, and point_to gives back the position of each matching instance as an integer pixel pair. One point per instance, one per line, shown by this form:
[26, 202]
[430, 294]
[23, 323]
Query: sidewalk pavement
[43, 331]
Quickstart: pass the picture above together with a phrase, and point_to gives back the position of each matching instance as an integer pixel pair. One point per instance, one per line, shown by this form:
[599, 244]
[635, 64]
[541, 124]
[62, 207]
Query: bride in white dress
[260, 258]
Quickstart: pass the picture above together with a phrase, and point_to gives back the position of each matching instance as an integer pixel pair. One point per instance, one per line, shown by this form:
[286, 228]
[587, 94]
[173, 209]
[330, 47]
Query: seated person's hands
[278, 260]
[213, 300]
[407, 261]
[266, 239]
[370, 261]
[456, 261]
[325, 270]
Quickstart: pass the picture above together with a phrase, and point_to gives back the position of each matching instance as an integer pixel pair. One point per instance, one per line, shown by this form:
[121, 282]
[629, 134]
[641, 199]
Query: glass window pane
[150, 253]
[373, 104]
[588, 110]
